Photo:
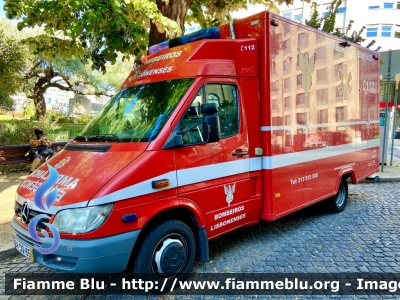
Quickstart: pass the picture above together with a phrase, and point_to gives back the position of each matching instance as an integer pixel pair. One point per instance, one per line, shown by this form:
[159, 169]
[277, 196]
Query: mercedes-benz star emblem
[25, 213]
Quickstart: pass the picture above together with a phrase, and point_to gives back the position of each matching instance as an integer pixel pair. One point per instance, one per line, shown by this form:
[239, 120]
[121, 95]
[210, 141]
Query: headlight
[81, 220]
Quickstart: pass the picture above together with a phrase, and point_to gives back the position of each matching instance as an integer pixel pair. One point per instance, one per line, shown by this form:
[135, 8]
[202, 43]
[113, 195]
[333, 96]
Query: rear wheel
[339, 201]
[168, 251]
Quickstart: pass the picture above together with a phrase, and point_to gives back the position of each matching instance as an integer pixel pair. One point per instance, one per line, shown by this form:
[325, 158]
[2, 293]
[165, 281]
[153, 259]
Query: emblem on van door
[229, 190]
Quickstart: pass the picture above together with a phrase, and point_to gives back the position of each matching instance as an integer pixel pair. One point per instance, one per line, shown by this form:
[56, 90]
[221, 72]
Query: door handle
[240, 153]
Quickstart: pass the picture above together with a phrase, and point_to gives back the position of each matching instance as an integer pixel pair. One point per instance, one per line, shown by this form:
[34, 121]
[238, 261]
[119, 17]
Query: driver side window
[225, 96]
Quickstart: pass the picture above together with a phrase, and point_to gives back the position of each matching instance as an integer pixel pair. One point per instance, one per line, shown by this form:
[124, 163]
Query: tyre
[339, 201]
[168, 251]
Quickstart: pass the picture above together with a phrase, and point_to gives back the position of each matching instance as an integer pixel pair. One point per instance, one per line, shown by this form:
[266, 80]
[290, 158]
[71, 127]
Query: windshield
[137, 113]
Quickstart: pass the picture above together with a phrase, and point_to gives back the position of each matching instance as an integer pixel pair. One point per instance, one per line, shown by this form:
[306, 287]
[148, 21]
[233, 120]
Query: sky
[2, 12]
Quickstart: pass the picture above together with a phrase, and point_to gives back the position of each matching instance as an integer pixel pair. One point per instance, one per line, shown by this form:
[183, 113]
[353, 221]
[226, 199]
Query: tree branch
[53, 84]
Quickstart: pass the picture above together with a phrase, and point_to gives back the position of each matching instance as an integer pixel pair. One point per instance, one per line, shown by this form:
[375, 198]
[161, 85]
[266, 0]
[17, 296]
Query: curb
[9, 254]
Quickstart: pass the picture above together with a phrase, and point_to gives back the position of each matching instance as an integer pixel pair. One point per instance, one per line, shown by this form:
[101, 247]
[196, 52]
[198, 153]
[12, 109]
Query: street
[364, 238]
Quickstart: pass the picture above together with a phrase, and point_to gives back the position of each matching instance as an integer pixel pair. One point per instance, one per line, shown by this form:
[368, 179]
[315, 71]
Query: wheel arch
[345, 174]
[189, 215]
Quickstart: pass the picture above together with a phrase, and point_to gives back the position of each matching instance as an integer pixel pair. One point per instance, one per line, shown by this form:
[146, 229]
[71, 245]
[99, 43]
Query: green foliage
[44, 64]
[53, 116]
[99, 28]
[63, 120]
[11, 61]
[84, 119]
[21, 131]
[327, 23]
[29, 110]
[102, 29]
[14, 131]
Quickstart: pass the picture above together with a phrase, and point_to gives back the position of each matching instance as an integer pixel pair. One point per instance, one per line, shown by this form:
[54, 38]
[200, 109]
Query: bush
[83, 119]
[21, 131]
[29, 110]
[54, 116]
[63, 120]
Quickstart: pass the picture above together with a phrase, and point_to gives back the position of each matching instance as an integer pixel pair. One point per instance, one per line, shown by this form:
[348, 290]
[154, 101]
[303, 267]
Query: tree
[327, 22]
[11, 61]
[45, 68]
[102, 28]
[68, 75]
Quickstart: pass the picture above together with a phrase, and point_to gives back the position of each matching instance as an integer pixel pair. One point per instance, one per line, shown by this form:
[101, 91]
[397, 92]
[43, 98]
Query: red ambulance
[217, 130]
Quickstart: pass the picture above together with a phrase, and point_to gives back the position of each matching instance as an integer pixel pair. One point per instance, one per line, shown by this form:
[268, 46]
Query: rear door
[215, 175]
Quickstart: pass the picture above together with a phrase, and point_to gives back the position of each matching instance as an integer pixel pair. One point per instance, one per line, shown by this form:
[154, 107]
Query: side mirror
[178, 140]
[211, 124]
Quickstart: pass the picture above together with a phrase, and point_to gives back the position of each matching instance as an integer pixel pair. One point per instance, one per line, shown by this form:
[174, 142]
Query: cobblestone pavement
[363, 238]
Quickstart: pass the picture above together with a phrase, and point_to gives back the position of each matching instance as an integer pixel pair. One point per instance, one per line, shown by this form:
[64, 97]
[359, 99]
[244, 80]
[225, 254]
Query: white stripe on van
[215, 171]
[283, 160]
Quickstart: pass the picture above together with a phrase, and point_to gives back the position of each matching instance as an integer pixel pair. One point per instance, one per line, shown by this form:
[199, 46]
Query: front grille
[32, 214]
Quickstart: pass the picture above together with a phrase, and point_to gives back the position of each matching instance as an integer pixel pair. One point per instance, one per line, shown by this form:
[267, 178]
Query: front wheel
[339, 201]
[168, 251]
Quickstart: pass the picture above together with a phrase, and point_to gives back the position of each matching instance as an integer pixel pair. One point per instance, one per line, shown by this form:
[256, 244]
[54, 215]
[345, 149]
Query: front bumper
[104, 255]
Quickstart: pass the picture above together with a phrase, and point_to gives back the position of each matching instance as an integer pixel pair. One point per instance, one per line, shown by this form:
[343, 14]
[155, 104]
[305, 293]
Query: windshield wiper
[105, 137]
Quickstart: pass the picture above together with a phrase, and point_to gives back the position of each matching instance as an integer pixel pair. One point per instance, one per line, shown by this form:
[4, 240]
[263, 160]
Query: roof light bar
[206, 33]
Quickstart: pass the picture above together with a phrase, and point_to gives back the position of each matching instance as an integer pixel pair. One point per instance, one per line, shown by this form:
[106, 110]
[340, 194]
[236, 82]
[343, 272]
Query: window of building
[287, 102]
[287, 120]
[286, 84]
[286, 46]
[322, 76]
[322, 96]
[372, 31]
[373, 7]
[322, 116]
[341, 10]
[299, 77]
[340, 114]
[274, 104]
[300, 99]
[286, 65]
[275, 86]
[386, 31]
[320, 53]
[303, 39]
[287, 15]
[298, 17]
[388, 5]
[301, 118]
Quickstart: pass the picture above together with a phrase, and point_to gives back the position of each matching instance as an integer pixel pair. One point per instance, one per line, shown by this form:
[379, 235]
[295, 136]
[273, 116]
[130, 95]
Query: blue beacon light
[206, 33]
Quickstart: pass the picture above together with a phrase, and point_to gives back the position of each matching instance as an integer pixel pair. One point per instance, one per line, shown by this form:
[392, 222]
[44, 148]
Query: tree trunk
[38, 91]
[38, 100]
[175, 10]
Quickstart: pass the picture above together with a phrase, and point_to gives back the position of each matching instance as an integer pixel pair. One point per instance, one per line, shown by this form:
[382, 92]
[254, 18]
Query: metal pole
[386, 111]
[394, 118]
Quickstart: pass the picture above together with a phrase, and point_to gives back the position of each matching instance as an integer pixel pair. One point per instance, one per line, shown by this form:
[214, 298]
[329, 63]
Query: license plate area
[24, 250]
